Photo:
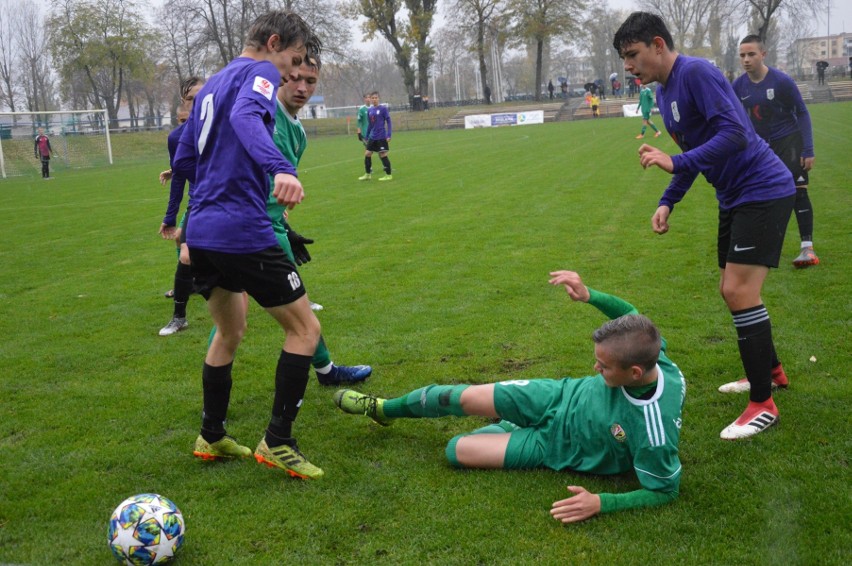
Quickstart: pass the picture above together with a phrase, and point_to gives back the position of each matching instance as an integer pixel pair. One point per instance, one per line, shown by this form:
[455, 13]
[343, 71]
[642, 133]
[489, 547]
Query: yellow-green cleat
[386, 178]
[224, 449]
[365, 177]
[355, 403]
[289, 459]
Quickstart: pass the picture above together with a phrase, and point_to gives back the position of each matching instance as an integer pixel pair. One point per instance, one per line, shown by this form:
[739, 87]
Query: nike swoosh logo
[744, 97]
[737, 248]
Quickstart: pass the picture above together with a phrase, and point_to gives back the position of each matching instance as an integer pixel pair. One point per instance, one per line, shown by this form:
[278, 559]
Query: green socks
[429, 402]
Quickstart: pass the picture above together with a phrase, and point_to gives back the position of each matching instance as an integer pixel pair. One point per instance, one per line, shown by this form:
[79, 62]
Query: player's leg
[181, 291]
[487, 451]
[368, 164]
[805, 219]
[657, 132]
[644, 126]
[386, 164]
[750, 241]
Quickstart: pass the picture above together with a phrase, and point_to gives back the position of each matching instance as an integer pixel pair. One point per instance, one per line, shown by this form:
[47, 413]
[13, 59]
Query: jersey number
[294, 280]
[206, 120]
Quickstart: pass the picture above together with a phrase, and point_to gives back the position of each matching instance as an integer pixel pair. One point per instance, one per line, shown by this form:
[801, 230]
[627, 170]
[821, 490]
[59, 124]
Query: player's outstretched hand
[660, 220]
[165, 177]
[579, 507]
[297, 244]
[573, 284]
[650, 155]
[360, 137]
[288, 190]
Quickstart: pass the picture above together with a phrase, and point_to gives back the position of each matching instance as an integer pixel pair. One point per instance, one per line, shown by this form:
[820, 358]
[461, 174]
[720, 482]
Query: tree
[479, 15]
[421, 14]
[104, 40]
[537, 21]
[8, 57]
[36, 77]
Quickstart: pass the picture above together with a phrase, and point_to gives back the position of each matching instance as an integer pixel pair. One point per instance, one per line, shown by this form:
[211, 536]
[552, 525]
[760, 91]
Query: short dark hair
[374, 93]
[753, 38]
[288, 26]
[313, 57]
[644, 27]
[187, 84]
[634, 340]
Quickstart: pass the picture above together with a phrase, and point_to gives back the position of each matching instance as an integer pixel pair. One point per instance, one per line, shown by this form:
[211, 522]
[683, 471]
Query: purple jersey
[378, 117]
[227, 153]
[708, 123]
[776, 108]
[178, 180]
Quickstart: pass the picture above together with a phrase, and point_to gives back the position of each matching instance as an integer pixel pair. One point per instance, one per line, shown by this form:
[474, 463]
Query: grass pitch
[438, 276]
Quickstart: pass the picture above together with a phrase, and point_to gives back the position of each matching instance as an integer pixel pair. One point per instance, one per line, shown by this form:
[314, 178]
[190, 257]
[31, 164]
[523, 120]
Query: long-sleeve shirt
[380, 123]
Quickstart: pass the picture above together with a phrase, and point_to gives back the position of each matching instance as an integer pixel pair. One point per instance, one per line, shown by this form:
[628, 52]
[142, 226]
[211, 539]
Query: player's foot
[289, 459]
[640, 136]
[342, 375]
[174, 326]
[779, 379]
[658, 134]
[316, 307]
[365, 177]
[356, 403]
[756, 418]
[224, 449]
[386, 178]
[806, 259]
[170, 294]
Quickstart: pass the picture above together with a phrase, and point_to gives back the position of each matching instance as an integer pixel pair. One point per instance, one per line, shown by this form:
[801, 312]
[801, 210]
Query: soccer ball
[145, 529]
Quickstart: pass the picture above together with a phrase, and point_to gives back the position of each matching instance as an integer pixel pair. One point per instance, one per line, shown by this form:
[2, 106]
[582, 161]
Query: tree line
[78, 54]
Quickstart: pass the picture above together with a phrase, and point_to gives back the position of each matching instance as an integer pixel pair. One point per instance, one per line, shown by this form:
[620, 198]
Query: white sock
[325, 369]
[806, 244]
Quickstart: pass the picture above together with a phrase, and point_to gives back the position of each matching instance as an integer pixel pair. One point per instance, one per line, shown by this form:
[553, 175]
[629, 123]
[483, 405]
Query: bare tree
[477, 17]
[9, 57]
[36, 76]
[537, 21]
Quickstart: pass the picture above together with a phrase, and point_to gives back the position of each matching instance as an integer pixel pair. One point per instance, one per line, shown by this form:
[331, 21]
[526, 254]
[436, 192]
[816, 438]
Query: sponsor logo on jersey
[770, 94]
[263, 86]
[618, 432]
[675, 111]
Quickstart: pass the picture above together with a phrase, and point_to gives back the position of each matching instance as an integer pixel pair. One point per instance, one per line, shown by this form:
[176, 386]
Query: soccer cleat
[316, 307]
[341, 375]
[174, 326]
[658, 134]
[355, 403]
[224, 449]
[365, 177]
[756, 418]
[289, 459]
[170, 294]
[779, 379]
[806, 259]
[640, 136]
[386, 178]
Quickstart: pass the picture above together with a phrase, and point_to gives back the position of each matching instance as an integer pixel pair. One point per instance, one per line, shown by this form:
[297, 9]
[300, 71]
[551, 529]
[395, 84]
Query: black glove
[297, 244]
[360, 137]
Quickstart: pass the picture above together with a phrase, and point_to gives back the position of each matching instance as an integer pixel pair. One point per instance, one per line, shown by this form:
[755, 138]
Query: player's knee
[451, 451]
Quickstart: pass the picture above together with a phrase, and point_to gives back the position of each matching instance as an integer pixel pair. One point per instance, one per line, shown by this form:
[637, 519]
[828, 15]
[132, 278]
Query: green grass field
[439, 276]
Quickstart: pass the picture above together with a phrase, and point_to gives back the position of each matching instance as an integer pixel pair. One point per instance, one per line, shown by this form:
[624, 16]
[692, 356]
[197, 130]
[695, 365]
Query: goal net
[78, 139]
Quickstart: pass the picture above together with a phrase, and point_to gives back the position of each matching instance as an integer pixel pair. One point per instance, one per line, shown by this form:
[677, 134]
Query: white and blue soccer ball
[145, 529]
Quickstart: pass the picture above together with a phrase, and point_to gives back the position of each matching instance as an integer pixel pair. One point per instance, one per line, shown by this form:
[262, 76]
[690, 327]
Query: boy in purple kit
[754, 189]
[779, 115]
[378, 139]
[227, 153]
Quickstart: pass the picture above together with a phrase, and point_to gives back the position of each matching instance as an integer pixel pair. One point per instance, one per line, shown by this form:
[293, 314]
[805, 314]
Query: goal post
[79, 138]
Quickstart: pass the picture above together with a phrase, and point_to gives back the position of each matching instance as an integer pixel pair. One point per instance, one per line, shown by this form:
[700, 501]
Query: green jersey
[290, 139]
[586, 426]
[363, 120]
[646, 101]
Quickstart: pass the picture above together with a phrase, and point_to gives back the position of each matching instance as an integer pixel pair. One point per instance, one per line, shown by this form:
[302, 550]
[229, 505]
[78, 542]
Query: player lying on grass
[627, 417]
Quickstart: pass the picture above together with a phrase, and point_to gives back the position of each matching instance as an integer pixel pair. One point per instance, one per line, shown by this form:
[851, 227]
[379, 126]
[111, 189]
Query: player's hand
[183, 256]
[660, 220]
[360, 137]
[807, 163]
[168, 232]
[297, 244]
[650, 155]
[165, 177]
[581, 506]
[288, 190]
[573, 284]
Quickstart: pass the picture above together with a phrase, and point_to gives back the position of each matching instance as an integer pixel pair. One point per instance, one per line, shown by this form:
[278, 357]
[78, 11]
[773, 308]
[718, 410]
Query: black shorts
[378, 145]
[789, 149]
[267, 276]
[753, 233]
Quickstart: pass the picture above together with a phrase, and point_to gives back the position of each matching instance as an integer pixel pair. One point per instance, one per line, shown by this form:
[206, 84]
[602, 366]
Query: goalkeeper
[627, 417]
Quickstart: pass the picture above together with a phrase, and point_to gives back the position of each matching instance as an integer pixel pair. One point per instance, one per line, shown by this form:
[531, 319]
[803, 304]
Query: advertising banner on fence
[507, 119]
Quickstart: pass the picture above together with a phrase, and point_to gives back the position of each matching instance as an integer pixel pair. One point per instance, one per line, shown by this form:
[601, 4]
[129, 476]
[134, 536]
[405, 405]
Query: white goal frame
[27, 121]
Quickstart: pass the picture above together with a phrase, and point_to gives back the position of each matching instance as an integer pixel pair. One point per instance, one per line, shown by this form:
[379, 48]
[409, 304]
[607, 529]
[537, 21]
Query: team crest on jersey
[770, 93]
[618, 432]
[263, 86]
[675, 112]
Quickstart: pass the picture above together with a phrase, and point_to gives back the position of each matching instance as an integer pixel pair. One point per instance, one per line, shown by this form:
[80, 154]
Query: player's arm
[803, 119]
[583, 504]
[388, 122]
[185, 156]
[610, 305]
